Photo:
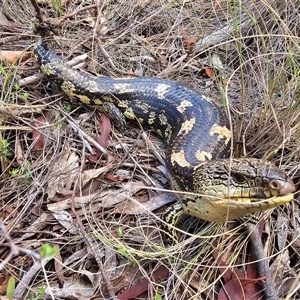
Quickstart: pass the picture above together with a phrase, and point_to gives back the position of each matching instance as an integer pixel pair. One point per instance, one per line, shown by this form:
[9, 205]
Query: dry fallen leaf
[66, 220]
[74, 288]
[103, 136]
[209, 72]
[63, 174]
[130, 206]
[227, 81]
[3, 282]
[37, 137]
[239, 283]
[90, 174]
[187, 41]
[216, 62]
[142, 286]
[241, 288]
[101, 199]
[58, 265]
[13, 56]
[112, 177]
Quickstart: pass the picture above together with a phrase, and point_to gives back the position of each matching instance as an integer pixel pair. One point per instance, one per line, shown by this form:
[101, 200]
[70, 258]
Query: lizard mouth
[259, 202]
[282, 199]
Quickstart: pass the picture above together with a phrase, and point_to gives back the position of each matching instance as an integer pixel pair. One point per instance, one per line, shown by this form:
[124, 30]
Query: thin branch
[38, 11]
[14, 249]
[262, 261]
[73, 13]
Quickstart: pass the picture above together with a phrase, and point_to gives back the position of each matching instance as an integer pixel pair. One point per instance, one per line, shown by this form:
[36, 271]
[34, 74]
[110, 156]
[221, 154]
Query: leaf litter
[110, 190]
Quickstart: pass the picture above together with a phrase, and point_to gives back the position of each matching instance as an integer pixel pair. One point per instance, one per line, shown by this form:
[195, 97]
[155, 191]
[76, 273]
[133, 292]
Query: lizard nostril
[280, 187]
[275, 185]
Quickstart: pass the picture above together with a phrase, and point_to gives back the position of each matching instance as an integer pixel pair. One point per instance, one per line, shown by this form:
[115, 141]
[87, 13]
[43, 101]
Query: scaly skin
[212, 187]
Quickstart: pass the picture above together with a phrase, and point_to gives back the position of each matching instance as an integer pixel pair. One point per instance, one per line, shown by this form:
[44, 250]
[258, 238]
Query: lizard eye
[239, 178]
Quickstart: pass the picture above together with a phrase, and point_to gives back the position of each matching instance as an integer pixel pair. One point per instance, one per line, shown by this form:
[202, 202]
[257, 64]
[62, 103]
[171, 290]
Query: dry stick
[105, 54]
[262, 262]
[173, 67]
[133, 159]
[153, 149]
[32, 193]
[38, 11]
[27, 278]
[145, 167]
[85, 137]
[75, 62]
[72, 14]
[62, 19]
[15, 250]
[223, 34]
[90, 243]
[16, 37]
[84, 42]
[107, 57]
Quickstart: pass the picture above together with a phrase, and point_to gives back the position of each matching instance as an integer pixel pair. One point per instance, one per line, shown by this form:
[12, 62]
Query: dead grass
[252, 47]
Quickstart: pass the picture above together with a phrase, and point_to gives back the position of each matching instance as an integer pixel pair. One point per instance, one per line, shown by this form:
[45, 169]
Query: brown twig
[107, 57]
[38, 11]
[45, 26]
[262, 261]
[27, 278]
[73, 13]
[86, 139]
[84, 42]
[12, 38]
[133, 159]
[153, 149]
[174, 66]
[14, 249]
[90, 244]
